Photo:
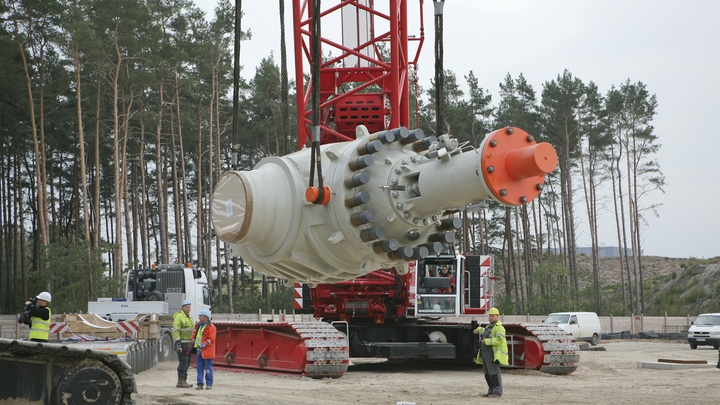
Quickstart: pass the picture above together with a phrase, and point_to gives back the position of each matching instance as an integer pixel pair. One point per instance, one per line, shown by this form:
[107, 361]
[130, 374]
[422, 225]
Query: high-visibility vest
[183, 327]
[40, 328]
[498, 342]
[198, 337]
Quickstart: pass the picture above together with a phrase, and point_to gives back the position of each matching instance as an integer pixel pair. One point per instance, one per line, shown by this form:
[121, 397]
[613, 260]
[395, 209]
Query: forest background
[115, 124]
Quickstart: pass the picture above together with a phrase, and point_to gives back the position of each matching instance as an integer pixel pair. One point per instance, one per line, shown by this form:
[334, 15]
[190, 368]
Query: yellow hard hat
[493, 311]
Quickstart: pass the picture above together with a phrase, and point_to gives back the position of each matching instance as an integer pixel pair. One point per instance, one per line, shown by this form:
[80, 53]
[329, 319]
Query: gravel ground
[603, 377]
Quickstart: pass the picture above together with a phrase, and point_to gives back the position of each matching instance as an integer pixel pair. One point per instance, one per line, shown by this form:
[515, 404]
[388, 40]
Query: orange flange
[514, 165]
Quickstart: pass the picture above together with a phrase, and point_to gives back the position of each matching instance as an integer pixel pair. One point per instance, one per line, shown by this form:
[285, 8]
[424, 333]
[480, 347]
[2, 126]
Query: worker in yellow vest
[40, 317]
[493, 352]
[183, 326]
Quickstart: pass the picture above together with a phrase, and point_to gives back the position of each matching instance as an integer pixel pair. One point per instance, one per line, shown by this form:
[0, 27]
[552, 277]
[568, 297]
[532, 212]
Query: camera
[25, 315]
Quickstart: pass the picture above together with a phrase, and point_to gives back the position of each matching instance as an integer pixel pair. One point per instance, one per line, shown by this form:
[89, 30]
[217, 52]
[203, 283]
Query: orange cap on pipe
[530, 161]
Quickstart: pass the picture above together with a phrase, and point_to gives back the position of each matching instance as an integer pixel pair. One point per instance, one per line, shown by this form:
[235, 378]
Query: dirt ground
[603, 377]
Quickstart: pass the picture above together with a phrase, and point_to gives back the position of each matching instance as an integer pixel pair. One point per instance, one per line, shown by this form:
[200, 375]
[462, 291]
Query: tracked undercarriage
[50, 373]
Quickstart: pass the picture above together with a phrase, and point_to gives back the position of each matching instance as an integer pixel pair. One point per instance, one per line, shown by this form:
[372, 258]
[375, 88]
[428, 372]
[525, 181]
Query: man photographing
[39, 313]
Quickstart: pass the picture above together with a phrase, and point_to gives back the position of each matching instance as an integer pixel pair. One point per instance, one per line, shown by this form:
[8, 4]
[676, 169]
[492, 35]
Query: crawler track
[311, 349]
[543, 347]
[49, 373]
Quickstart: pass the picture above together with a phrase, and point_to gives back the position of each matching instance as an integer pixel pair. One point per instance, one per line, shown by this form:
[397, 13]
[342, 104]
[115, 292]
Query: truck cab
[158, 290]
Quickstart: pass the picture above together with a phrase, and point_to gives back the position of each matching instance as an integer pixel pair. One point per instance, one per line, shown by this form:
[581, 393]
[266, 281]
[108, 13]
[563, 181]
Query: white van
[582, 325]
[705, 331]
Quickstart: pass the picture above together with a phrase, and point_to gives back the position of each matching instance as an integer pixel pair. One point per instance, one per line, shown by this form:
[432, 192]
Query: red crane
[357, 85]
[390, 313]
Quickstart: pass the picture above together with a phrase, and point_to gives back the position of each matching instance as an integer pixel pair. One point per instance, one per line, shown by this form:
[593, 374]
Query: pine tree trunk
[144, 206]
[118, 250]
[176, 192]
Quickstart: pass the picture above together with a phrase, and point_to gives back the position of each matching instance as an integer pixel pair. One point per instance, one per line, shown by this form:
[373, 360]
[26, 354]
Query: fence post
[665, 327]
[632, 323]
[611, 324]
[642, 323]
[17, 329]
[259, 315]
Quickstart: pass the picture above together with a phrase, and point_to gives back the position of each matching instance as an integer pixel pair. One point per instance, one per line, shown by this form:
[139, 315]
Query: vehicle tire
[716, 346]
[594, 339]
[693, 346]
[167, 348]
[154, 296]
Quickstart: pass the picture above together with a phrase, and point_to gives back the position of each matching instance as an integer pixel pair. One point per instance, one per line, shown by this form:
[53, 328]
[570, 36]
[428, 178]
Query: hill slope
[676, 286]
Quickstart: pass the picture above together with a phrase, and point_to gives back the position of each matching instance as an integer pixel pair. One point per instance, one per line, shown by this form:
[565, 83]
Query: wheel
[716, 346]
[90, 384]
[154, 296]
[167, 348]
[594, 340]
[693, 346]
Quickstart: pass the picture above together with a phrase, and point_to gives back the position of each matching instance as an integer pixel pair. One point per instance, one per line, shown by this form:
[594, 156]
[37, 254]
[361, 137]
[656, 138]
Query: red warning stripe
[59, 327]
[128, 327]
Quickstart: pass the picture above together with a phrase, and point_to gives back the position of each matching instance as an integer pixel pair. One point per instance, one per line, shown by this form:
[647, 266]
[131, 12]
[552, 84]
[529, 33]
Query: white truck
[157, 290]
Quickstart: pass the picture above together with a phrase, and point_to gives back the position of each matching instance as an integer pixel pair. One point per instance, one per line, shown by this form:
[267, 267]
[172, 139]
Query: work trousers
[184, 361]
[204, 368]
[491, 370]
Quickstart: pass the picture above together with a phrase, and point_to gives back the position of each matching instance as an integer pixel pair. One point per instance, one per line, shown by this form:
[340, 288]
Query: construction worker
[493, 352]
[183, 326]
[39, 317]
[204, 342]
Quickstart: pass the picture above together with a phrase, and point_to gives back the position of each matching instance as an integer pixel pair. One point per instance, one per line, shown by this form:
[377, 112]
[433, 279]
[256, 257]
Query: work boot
[182, 383]
[199, 387]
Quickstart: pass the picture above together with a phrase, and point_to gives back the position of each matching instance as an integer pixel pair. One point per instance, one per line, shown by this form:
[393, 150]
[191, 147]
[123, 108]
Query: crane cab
[448, 285]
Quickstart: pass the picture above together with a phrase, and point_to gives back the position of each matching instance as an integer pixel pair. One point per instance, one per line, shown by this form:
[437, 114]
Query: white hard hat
[205, 312]
[186, 302]
[44, 296]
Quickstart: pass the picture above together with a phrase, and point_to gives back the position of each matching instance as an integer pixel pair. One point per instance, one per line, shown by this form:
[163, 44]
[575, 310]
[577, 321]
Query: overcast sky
[671, 46]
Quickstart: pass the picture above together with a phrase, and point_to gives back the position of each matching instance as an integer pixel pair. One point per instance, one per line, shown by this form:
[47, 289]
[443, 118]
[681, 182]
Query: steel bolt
[396, 194]
[404, 162]
[414, 159]
[530, 138]
[539, 186]
[416, 220]
[406, 215]
[400, 205]
[503, 192]
[394, 181]
[397, 170]
[490, 169]
[493, 143]
[426, 221]
[523, 199]
[509, 130]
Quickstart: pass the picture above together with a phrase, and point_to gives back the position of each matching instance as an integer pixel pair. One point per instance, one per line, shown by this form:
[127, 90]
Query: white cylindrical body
[264, 214]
